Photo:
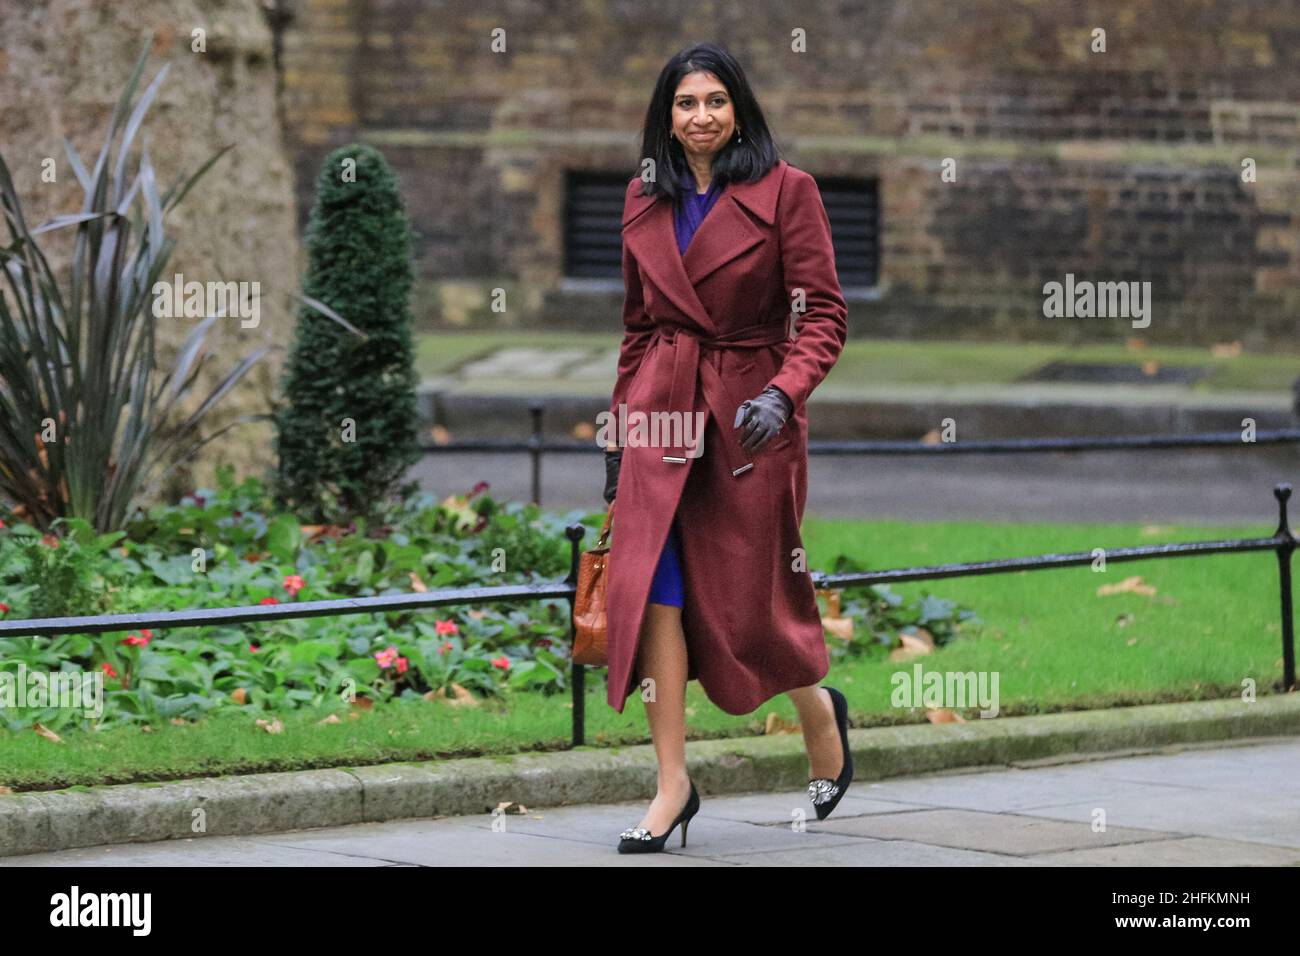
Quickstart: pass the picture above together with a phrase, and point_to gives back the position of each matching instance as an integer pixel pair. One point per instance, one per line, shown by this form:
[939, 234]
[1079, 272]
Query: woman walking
[722, 242]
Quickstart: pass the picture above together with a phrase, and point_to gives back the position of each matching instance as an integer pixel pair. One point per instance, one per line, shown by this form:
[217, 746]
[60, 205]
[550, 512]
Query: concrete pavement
[1212, 804]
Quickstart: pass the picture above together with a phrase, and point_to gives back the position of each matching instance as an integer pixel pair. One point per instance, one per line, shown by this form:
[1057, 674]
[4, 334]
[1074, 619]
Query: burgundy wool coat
[704, 332]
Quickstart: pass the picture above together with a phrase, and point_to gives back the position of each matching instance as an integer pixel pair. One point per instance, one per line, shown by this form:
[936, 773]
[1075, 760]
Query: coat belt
[687, 369]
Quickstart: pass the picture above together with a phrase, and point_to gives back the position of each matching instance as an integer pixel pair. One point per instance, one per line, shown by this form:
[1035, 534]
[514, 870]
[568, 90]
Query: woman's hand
[613, 457]
[762, 417]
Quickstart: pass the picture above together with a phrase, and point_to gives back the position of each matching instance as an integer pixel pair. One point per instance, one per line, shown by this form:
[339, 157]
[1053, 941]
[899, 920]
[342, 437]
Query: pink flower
[402, 664]
[107, 668]
[502, 662]
[293, 584]
[138, 640]
[446, 627]
[253, 648]
[445, 648]
[2, 524]
[386, 657]
[268, 600]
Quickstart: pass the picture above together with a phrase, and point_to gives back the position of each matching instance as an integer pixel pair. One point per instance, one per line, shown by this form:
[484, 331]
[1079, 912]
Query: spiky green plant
[78, 357]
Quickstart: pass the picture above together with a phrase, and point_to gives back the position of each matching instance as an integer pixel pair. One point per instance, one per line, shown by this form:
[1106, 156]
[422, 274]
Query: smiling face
[703, 118]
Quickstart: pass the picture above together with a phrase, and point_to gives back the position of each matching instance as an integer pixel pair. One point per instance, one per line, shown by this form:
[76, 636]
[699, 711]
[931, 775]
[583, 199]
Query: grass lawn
[1055, 644]
[931, 363]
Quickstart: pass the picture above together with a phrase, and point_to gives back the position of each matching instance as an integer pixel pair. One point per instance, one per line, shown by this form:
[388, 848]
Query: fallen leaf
[1225, 349]
[912, 645]
[776, 724]
[179, 722]
[239, 695]
[932, 437]
[353, 715]
[1133, 584]
[363, 703]
[331, 719]
[6, 790]
[146, 729]
[511, 806]
[944, 716]
[43, 731]
[417, 584]
[270, 726]
[1131, 641]
[459, 696]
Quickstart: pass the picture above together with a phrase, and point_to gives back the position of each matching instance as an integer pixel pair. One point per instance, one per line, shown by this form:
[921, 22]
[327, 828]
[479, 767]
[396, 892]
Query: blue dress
[688, 213]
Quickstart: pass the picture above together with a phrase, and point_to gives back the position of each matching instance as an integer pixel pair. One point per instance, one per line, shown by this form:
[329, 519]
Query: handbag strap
[604, 531]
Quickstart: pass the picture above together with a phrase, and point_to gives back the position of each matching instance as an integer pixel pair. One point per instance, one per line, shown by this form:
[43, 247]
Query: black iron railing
[1282, 543]
[537, 445]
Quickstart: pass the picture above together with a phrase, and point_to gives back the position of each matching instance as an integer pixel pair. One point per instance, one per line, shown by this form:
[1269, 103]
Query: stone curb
[276, 802]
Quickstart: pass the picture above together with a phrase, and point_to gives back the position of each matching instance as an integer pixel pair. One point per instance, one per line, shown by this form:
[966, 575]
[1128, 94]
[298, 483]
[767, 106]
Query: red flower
[49, 540]
[446, 627]
[253, 648]
[268, 600]
[445, 648]
[107, 668]
[481, 486]
[138, 640]
[293, 584]
[2, 524]
[402, 664]
[502, 662]
[4, 608]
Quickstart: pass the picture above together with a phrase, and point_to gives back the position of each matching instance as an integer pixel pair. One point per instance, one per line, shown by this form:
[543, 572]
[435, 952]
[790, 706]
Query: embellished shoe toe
[825, 793]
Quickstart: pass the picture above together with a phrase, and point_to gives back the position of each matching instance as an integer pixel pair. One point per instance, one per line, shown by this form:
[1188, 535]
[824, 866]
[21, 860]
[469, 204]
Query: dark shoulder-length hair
[746, 161]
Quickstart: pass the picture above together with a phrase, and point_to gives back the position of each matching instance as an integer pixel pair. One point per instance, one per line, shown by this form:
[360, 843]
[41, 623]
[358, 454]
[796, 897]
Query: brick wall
[1113, 166]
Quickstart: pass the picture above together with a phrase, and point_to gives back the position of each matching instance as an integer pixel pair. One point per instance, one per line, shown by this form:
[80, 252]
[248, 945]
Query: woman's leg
[821, 735]
[661, 657]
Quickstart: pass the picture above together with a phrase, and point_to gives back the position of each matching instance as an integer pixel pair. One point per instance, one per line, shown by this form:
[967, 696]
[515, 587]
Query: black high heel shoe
[639, 840]
[824, 792]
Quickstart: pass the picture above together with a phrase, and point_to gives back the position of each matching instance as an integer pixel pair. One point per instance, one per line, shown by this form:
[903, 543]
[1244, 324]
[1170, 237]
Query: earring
[739, 138]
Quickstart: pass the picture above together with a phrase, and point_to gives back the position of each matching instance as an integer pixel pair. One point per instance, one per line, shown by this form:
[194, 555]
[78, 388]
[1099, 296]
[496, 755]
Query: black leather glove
[612, 461]
[762, 417]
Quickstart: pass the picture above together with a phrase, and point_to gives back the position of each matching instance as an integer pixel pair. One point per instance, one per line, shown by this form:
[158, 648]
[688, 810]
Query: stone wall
[1117, 165]
[64, 64]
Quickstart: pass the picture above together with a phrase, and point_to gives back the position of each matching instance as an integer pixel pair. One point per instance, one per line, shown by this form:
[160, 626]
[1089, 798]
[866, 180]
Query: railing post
[1286, 545]
[577, 672]
[535, 450]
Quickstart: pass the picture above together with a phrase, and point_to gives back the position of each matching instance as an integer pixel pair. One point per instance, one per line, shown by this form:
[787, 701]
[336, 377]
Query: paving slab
[1193, 806]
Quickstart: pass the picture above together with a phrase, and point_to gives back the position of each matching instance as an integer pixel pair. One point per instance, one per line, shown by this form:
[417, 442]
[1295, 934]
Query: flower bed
[225, 547]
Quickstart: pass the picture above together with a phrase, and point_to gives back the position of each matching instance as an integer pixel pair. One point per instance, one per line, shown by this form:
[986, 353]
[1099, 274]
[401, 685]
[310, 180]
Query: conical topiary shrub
[346, 428]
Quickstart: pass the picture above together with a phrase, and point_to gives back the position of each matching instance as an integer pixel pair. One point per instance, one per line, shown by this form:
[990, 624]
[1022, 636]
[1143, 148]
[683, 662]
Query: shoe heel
[685, 824]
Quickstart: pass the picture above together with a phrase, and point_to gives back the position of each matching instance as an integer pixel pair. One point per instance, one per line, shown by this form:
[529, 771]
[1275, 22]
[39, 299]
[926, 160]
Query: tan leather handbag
[589, 638]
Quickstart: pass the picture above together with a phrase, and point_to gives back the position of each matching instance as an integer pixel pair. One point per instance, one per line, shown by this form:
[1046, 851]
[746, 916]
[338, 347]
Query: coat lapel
[726, 233]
